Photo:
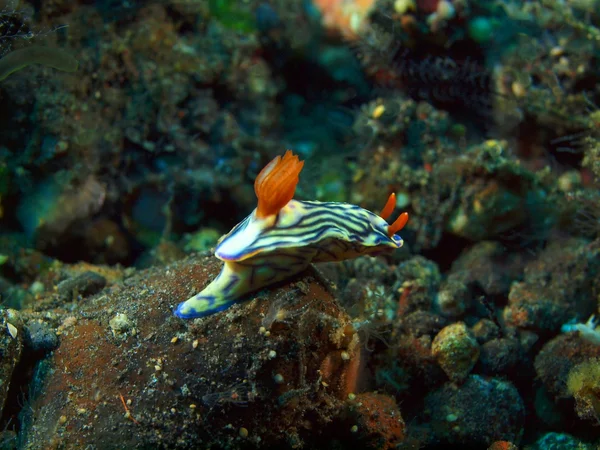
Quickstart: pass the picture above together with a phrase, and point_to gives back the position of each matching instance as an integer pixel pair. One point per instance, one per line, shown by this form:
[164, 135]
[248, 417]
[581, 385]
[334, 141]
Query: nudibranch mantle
[334, 231]
[283, 236]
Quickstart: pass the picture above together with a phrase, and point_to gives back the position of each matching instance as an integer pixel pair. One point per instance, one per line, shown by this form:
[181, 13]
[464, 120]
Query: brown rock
[278, 367]
[456, 351]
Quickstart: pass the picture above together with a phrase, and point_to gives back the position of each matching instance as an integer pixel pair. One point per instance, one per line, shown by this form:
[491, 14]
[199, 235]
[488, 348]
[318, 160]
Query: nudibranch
[283, 236]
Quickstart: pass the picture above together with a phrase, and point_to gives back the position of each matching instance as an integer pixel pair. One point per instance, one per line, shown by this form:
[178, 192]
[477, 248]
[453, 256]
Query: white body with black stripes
[260, 252]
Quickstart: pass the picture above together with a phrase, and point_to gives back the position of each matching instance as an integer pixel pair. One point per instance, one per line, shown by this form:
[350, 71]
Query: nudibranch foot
[201, 306]
[220, 294]
[235, 281]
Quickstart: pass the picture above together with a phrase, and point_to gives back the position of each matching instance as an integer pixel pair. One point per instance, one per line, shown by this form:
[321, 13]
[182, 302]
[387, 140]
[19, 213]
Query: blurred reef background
[119, 172]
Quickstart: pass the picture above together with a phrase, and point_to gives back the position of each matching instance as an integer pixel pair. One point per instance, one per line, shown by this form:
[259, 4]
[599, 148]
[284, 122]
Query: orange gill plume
[276, 183]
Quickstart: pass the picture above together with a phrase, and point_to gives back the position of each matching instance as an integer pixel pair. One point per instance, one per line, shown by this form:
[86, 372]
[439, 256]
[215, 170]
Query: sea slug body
[283, 236]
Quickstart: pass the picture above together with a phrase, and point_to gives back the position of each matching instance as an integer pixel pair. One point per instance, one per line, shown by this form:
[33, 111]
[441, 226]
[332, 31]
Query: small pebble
[84, 285]
[40, 337]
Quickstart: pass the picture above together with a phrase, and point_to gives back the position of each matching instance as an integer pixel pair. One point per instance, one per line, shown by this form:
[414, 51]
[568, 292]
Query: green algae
[227, 12]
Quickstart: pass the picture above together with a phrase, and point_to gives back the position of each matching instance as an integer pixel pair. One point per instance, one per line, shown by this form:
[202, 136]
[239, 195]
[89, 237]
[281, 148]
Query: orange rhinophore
[388, 209]
[276, 183]
[398, 224]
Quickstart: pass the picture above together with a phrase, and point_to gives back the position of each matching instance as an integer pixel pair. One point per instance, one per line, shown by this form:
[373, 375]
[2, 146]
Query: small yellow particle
[351, 396]
[192, 406]
[62, 420]
[324, 384]
[174, 340]
[354, 429]
[358, 175]
[378, 111]
[518, 89]
[173, 410]
[345, 356]
[404, 6]
[158, 368]
[128, 402]
[81, 411]
[262, 330]
[557, 51]
[195, 343]
[272, 354]
[243, 432]
[268, 333]
[492, 144]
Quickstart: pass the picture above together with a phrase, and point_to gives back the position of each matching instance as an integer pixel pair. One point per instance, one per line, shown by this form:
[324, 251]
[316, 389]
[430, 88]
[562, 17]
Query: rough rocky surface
[279, 370]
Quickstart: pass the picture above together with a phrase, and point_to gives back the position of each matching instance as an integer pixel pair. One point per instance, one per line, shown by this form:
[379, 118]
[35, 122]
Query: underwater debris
[282, 310]
[239, 394]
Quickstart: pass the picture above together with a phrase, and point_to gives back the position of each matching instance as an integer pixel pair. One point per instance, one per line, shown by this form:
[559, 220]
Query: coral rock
[456, 351]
